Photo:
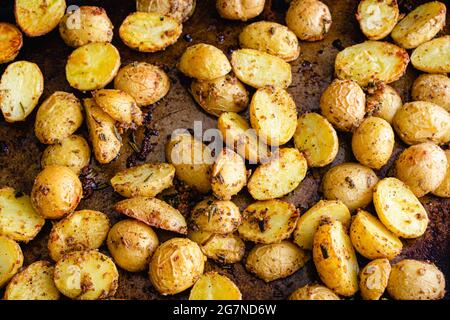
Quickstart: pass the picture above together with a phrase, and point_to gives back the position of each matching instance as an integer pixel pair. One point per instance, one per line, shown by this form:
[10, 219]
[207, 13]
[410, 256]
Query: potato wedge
[18, 220]
[21, 86]
[86, 275]
[259, 69]
[181, 10]
[313, 292]
[92, 66]
[11, 259]
[373, 279]
[433, 88]
[11, 41]
[309, 221]
[213, 286]
[383, 102]
[399, 209]
[154, 212]
[433, 56]
[371, 62]
[444, 188]
[216, 216]
[224, 248]
[239, 9]
[35, 282]
[316, 139]
[268, 221]
[377, 18]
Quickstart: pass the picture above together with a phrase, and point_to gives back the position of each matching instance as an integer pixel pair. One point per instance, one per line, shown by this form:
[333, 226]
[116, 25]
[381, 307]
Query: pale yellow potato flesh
[214, 286]
[374, 279]
[11, 259]
[433, 56]
[377, 18]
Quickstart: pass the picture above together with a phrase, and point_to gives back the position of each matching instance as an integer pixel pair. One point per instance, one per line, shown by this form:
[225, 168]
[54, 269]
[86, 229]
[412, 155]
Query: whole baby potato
[313, 292]
[383, 102]
[181, 10]
[433, 88]
[239, 9]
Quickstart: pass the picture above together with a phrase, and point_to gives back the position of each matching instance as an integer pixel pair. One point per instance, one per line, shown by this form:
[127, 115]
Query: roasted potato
[433, 56]
[383, 103]
[313, 292]
[273, 114]
[86, 275]
[399, 209]
[10, 43]
[149, 31]
[371, 62]
[224, 94]
[416, 280]
[420, 25]
[86, 24]
[80, 230]
[272, 38]
[11, 259]
[18, 220]
[59, 116]
[309, 19]
[213, 286]
[204, 62]
[154, 212]
[377, 18]
[216, 216]
[259, 69]
[131, 244]
[316, 139]
[351, 183]
[56, 192]
[35, 282]
[371, 238]
[309, 221]
[146, 83]
[21, 86]
[433, 88]
[38, 17]
[224, 248]
[181, 10]
[373, 279]
[335, 259]
[275, 261]
[176, 265]
[146, 180]
[343, 103]
[239, 9]
[92, 66]
[422, 168]
[444, 188]
[268, 221]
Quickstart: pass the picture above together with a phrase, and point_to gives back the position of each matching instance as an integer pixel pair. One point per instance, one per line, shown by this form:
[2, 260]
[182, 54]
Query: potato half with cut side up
[383, 102]
[313, 292]
[433, 56]
[10, 42]
[214, 286]
[181, 10]
[239, 9]
[11, 259]
[433, 88]
[377, 18]
[224, 248]
[373, 279]
[444, 188]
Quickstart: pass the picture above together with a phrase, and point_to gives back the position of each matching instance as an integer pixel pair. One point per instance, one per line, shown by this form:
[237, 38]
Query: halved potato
[199, 237]
[433, 56]
[399, 209]
[10, 42]
[21, 86]
[444, 188]
[239, 9]
[268, 221]
[11, 259]
[213, 286]
[313, 292]
[154, 212]
[383, 102]
[433, 88]
[377, 18]
[224, 248]
[216, 216]
[18, 219]
[181, 10]
[374, 279]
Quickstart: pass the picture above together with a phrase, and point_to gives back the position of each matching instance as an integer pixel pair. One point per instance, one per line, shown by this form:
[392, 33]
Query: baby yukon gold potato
[181, 10]
[383, 102]
[18, 220]
[21, 86]
[273, 114]
[86, 24]
[86, 275]
[416, 280]
[192, 161]
[377, 18]
[352, 183]
[11, 259]
[272, 38]
[224, 94]
[204, 62]
[105, 138]
[433, 88]
[275, 261]
[224, 248]
[422, 168]
[309, 19]
[420, 25]
[399, 209]
[309, 221]
[35, 282]
[176, 265]
[239, 9]
[433, 56]
[214, 286]
[59, 116]
[38, 17]
[313, 292]
[373, 279]
[10, 42]
[81, 230]
[149, 31]
[228, 175]
[279, 176]
[371, 62]
[371, 238]
[335, 259]
[131, 244]
[216, 216]
[154, 212]
[56, 192]
[92, 66]
[444, 188]
[259, 69]
[268, 221]
[343, 103]
[146, 180]
[316, 139]
[373, 142]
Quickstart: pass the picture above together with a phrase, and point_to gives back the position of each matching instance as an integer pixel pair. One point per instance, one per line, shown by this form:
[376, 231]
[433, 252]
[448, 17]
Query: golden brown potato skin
[12, 259]
[383, 103]
[181, 10]
[444, 188]
[433, 88]
[11, 44]
[313, 292]
[374, 279]
[239, 9]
